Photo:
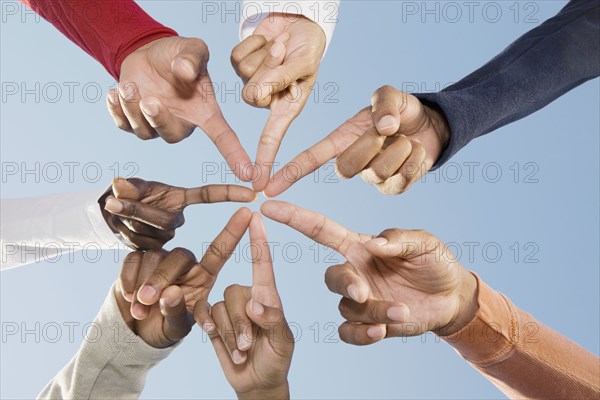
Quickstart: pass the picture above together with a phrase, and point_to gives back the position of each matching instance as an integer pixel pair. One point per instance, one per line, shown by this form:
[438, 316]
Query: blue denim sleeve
[536, 69]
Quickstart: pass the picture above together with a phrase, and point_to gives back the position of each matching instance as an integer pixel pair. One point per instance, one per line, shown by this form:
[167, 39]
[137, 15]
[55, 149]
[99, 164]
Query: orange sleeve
[523, 357]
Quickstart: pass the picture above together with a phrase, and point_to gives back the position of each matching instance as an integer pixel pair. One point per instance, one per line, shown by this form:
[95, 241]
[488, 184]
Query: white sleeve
[323, 12]
[34, 229]
[112, 362]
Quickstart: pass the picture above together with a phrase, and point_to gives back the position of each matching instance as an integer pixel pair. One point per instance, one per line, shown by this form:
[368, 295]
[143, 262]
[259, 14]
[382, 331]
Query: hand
[167, 322]
[165, 90]
[392, 144]
[251, 336]
[400, 283]
[278, 65]
[179, 267]
[146, 214]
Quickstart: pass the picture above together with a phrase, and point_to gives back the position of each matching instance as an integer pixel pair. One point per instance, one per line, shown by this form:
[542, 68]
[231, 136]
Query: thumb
[272, 321]
[191, 61]
[134, 189]
[387, 102]
[177, 322]
[405, 244]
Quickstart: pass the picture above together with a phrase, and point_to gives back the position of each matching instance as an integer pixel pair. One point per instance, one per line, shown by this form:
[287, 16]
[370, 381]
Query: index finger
[319, 154]
[223, 245]
[213, 260]
[264, 289]
[218, 130]
[313, 225]
[271, 137]
[219, 194]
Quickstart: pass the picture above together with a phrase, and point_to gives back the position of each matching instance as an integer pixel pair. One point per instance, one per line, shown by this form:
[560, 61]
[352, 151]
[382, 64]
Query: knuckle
[153, 254]
[173, 138]
[246, 69]
[170, 234]
[183, 255]
[236, 56]
[268, 140]
[217, 308]
[200, 43]
[385, 90]
[425, 234]
[232, 290]
[343, 309]
[121, 124]
[171, 220]
[160, 277]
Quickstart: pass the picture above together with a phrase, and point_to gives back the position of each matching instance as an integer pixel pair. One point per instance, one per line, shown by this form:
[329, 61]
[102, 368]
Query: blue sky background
[549, 210]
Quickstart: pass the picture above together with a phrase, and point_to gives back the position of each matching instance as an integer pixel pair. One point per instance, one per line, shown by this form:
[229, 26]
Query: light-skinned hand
[399, 283]
[165, 90]
[278, 64]
[392, 144]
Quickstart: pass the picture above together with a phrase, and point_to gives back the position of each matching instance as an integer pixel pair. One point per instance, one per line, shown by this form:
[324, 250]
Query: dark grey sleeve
[536, 69]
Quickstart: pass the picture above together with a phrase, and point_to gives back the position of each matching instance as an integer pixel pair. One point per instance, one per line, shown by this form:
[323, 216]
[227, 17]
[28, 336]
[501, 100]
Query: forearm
[523, 357]
[108, 30]
[35, 229]
[322, 12]
[111, 364]
[536, 69]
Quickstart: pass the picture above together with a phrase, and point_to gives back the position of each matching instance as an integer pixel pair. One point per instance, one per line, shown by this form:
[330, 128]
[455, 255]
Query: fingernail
[113, 97]
[187, 64]
[208, 327]
[172, 303]
[257, 308]
[353, 292]
[386, 122]
[150, 110]
[397, 313]
[128, 296]
[243, 342]
[113, 205]
[375, 332]
[238, 357]
[138, 311]
[147, 294]
[380, 241]
[277, 49]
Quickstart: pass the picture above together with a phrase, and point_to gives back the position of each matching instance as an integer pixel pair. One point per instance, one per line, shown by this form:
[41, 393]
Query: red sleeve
[108, 30]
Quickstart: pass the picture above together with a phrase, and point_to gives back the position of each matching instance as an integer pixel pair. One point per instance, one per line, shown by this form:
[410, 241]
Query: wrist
[440, 124]
[281, 392]
[468, 305]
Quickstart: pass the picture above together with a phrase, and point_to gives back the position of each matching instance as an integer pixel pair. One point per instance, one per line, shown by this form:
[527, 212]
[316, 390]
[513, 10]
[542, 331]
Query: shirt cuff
[107, 238]
[322, 12]
[490, 336]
